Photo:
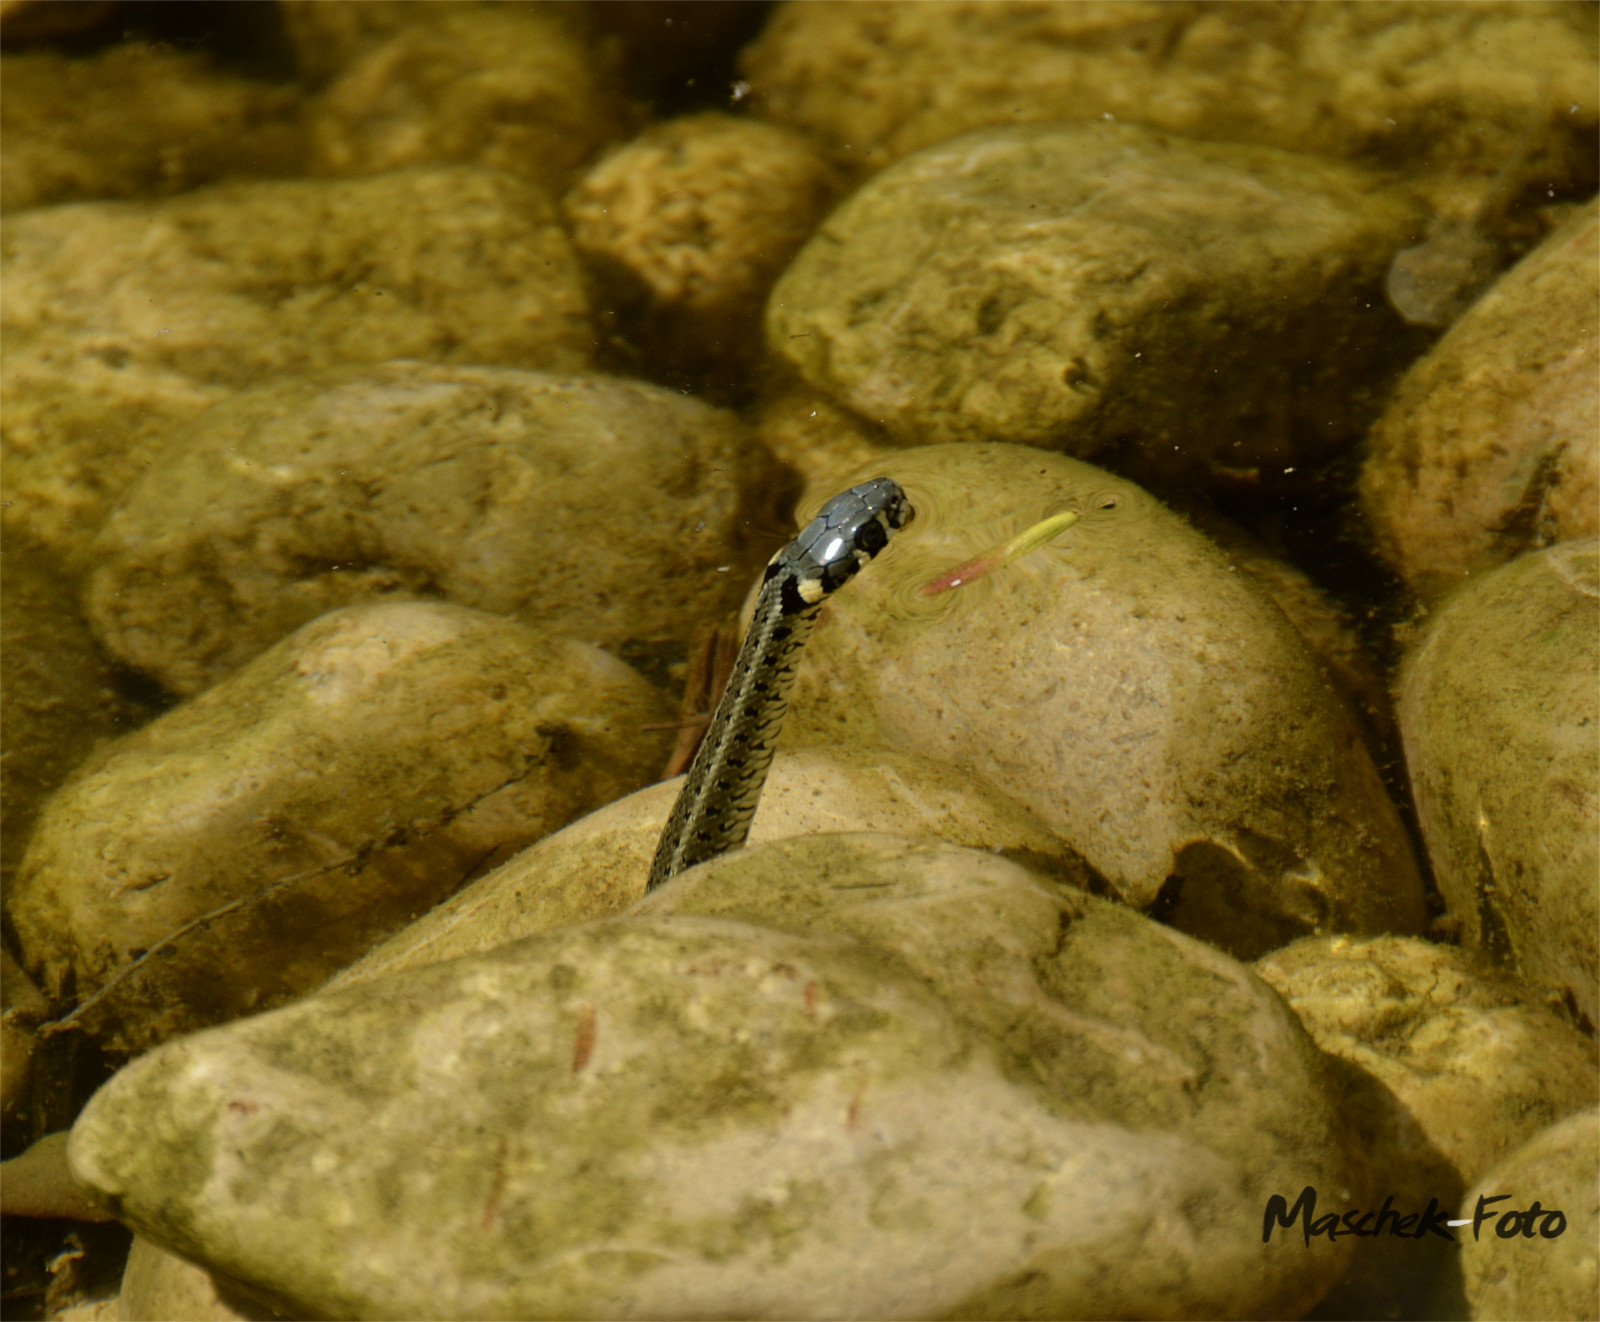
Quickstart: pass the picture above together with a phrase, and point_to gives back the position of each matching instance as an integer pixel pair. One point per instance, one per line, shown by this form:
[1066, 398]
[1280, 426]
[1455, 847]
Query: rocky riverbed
[1193, 917]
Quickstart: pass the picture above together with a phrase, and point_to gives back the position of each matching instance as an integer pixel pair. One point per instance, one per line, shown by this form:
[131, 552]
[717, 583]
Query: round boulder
[688, 225]
[834, 1076]
[598, 866]
[1521, 1262]
[238, 850]
[1499, 705]
[606, 510]
[1416, 86]
[122, 321]
[1444, 1071]
[1080, 286]
[1491, 444]
[1145, 700]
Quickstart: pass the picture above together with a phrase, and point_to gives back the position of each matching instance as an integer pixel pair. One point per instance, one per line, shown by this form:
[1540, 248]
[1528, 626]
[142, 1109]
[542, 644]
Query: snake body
[719, 796]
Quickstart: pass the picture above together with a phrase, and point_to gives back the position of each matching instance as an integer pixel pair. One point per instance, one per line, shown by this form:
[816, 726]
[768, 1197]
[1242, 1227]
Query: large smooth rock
[805, 1105]
[124, 320]
[1499, 705]
[241, 848]
[1491, 444]
[1084, 286]
[1141, 697]
[602, 509]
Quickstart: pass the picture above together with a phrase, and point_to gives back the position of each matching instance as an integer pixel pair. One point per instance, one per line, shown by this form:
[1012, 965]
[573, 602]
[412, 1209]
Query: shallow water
[193, 368]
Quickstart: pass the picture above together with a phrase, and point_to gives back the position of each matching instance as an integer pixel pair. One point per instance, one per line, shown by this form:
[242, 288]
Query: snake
[723, 786]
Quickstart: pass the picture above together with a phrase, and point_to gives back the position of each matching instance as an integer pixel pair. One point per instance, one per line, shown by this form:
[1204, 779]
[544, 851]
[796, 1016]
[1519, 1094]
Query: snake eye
[871, 537]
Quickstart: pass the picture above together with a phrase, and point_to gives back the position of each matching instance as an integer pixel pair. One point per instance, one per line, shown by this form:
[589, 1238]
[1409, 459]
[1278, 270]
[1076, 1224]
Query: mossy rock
[759, 1103]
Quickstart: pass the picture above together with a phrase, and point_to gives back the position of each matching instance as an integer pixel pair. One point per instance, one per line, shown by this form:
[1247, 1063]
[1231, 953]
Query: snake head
[847, 531]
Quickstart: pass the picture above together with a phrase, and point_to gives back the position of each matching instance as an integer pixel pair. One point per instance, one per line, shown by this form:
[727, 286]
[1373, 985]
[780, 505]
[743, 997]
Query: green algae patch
[791, 1083]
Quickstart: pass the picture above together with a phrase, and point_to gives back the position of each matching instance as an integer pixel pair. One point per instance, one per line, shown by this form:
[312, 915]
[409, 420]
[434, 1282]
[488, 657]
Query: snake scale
[719, 795]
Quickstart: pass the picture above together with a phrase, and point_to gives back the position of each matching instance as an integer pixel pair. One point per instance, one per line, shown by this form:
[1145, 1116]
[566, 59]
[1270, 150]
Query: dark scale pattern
[719, 795]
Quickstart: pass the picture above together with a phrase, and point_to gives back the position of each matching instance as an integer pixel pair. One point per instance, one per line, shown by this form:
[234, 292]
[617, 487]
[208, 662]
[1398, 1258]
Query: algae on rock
[124, 320]
[1499, 708]
[1089, 287]
[598, 508]
[241, 848]
[1491, 444]
[761, 1103]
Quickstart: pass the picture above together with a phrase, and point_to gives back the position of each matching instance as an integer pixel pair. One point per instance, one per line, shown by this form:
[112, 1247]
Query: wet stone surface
[1445, 1068]
[123, 321]
[405, 394]
[340, 784]
[752, 1101]
[1498, 710]
[1129, 687]
[1095, 287]
[1491, 444]
[605, 510]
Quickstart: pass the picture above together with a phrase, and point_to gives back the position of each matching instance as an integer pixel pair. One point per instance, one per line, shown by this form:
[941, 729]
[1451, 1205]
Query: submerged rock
[1444, 1071]
[240, 849]
[122, 321]
[1411, 86]
[158, 1286]
[58, 698]
[136, 120]
[1491, 444]
[730, 1106]
[1139, 695]
[598, 866]
[688, 225]
[597, 508]
[1499, 708]
[1522, 1264]
[511, 88]
[1088, 286]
